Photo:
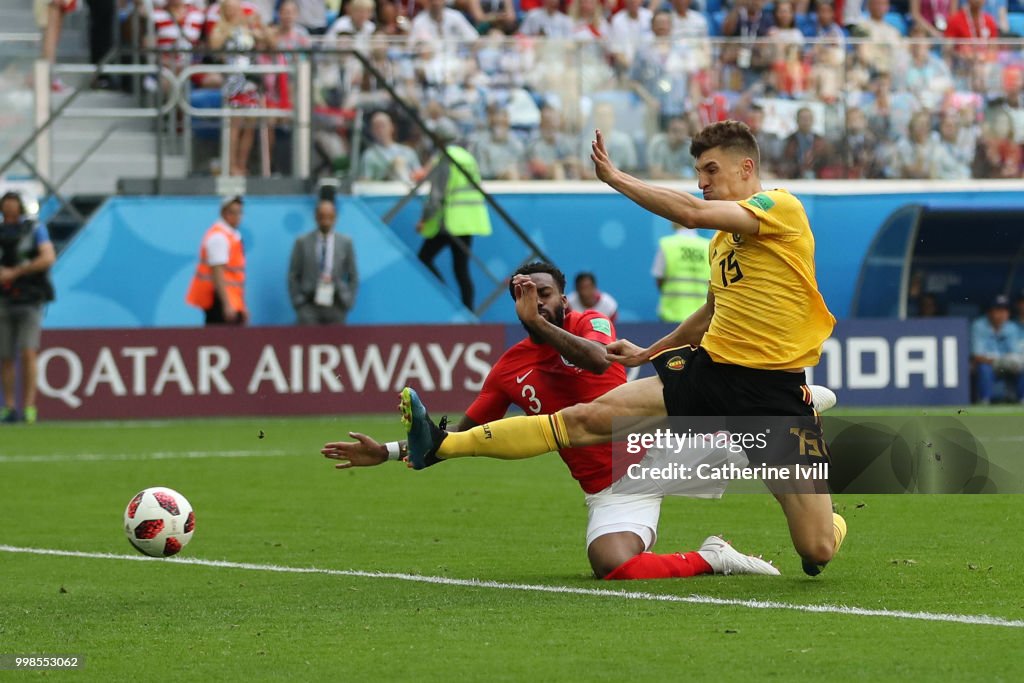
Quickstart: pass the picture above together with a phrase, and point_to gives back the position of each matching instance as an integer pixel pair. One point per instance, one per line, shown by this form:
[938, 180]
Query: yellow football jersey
[769, 313]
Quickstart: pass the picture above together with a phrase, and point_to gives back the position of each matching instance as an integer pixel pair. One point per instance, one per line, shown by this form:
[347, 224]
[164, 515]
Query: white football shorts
[635, 505]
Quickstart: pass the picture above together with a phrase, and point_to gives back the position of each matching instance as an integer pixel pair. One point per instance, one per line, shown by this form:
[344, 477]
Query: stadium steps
[17, 17]
[14, 21]
[130, 151]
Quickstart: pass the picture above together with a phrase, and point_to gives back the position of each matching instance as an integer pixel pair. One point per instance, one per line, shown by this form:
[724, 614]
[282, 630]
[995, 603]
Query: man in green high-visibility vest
[454, 212]
[681, 270]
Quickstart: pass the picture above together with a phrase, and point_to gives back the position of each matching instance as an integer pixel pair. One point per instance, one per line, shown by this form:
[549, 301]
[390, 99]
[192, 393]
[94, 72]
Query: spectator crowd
[855, 89]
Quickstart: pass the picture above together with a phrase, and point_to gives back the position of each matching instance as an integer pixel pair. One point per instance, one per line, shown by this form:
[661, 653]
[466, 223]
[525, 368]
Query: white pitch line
[973, 619]
[158, 455]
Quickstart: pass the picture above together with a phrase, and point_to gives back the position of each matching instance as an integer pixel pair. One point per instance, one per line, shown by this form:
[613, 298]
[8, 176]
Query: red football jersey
[538, 380]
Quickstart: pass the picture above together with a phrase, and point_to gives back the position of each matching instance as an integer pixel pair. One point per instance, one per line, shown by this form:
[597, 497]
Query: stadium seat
[205, 98]
[1017, 23]
[898, 20]
[715, 21]
[807, 23]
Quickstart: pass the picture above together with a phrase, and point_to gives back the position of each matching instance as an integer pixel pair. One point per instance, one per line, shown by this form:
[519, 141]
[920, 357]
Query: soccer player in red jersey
[561, 363]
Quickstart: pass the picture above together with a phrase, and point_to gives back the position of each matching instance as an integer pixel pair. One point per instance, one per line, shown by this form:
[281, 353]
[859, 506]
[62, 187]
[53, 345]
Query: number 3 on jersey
[530, 394]
[730, 269]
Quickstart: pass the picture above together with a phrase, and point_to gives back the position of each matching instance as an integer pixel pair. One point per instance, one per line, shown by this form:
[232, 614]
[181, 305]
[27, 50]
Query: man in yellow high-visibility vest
[681, 270]
[454, 213]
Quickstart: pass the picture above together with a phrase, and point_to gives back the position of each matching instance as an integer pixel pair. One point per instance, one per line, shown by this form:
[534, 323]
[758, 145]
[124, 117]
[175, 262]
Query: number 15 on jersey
[730, 268]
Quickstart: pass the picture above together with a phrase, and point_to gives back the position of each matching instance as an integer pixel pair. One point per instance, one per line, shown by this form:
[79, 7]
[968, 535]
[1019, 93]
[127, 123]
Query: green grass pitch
[275, 501]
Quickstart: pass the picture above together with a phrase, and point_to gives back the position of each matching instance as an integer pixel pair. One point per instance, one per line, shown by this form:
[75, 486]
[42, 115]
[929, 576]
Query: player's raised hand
[527, 304]
[627, 353]
[604, 169]
[363, 452]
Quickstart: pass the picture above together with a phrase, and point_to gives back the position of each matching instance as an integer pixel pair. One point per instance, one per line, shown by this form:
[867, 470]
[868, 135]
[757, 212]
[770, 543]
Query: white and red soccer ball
[159, 522]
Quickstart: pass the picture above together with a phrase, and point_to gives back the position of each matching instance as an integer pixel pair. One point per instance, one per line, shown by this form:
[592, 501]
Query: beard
[559, 321]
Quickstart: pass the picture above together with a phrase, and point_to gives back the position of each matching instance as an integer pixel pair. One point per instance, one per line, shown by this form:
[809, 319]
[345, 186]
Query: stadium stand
[765, 73]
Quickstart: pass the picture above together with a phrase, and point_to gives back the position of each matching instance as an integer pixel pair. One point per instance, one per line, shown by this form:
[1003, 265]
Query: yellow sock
[513, 438]
[838, 529]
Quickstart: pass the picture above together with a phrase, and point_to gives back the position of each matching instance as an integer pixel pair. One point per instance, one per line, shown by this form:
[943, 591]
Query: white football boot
[822, 398]
[724, 559]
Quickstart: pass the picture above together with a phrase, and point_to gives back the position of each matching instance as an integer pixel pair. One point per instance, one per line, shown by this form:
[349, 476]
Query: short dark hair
[539, 267]
[585, 275]
[681, 119]
[16, 197]
[730, 136]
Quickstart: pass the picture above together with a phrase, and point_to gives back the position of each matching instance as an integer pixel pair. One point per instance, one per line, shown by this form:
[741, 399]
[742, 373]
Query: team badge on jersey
[601, 325]
[675, 363]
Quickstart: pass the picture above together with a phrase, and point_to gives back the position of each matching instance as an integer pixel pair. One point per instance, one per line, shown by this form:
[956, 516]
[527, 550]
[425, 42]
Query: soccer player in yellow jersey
[763, 323]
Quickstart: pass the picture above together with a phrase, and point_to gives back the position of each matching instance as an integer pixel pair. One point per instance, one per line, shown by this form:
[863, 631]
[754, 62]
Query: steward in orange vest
[218, 286]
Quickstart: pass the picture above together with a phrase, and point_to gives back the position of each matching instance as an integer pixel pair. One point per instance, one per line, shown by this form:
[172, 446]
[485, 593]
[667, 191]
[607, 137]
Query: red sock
[651, 566]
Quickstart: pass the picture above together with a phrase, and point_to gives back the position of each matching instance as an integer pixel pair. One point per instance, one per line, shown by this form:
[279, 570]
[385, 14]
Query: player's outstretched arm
[678, 207]
[363, 452]
[689, 333]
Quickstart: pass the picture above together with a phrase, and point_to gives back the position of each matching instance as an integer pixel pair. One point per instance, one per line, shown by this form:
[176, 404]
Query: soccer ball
[159, 522]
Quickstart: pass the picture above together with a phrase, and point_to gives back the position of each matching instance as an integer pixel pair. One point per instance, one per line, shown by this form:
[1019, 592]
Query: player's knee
[608, 553]
[604, 563]
[602, 567]
[818, 550]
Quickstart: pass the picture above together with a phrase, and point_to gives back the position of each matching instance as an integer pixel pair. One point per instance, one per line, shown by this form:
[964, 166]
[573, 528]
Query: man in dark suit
[805, 154]
[322, 276]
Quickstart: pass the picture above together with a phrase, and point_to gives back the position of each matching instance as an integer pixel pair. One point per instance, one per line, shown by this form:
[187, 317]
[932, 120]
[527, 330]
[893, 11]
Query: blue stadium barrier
[152, 243]
[617, 240]
[132, 263]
